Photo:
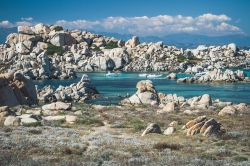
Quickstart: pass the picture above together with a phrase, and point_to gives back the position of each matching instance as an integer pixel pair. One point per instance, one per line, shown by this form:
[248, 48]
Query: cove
[113, 89]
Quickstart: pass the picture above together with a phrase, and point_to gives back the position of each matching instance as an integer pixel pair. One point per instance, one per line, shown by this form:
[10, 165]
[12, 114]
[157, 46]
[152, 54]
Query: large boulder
[62, 39]
[146, 94]
[152, 128]
[204, 126]
[15, 89]
[24, 47]
[12, 121]
[41, 29]
[118, 56]
[145, 86]
[228, 110]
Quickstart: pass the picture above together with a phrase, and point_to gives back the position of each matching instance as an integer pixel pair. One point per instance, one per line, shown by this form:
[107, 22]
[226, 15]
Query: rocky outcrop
[15, 89]
[146, 94]
[212, 57]
[204, 126]
[216, 75]
[172, 76]
[66, 51]
[77, 92]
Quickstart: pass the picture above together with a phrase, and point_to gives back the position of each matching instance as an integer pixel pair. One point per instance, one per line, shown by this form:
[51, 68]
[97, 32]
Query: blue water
[112, 89]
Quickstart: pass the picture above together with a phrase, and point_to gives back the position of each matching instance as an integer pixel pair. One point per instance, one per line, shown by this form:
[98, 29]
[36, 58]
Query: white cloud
[24, 23]
[27, 18]
[6, 24]
[206, 24]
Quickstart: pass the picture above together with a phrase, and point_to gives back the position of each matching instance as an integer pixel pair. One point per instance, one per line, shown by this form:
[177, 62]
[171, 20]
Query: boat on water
[143, 75]
[110, 74]
[154, 75]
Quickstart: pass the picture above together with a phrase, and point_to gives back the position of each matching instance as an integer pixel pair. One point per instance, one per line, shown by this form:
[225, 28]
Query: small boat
[154, 75]
[143, 75]
[109, 74]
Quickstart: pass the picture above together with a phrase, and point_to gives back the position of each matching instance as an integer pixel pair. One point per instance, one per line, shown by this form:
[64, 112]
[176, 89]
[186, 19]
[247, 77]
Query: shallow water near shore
[113, 89]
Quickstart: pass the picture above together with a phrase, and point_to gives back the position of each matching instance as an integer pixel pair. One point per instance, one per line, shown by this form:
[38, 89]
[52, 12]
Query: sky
[138, 17]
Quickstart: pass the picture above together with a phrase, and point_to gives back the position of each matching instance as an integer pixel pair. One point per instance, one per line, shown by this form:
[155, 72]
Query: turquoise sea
[113, 89]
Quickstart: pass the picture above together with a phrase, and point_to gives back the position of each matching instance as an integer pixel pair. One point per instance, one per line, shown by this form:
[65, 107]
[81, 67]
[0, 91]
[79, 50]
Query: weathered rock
[145, 86]
[28, 121]
[172, 76]
[173, 124]
[132, 42]
[62, 38]
[242, 108]
[152, 128]
[169, 131]
[169, 107]
[12, 121]
[146, 94]
[195, 121]
[15, 89]
[203, 126]
[4, 112]
[205, 100]
[57, 106]
[71, 119]
[228, 110]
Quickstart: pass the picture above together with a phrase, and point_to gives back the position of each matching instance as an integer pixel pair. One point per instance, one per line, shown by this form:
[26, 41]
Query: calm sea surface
[112, 89]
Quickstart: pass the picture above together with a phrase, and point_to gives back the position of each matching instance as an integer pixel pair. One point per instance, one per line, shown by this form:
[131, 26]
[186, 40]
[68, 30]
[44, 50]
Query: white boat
[143, 75]
[154, 75]
[109, 74]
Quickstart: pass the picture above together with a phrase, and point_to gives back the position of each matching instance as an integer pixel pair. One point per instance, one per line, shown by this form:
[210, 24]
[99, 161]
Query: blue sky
[142, 17]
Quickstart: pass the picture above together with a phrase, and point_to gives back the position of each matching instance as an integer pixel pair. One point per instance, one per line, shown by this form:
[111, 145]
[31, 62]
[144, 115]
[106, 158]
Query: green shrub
[58, 28]
[111, 45]
[181, 58]
[52, 49]
[136, 124]
[91, 121]
[95, 48]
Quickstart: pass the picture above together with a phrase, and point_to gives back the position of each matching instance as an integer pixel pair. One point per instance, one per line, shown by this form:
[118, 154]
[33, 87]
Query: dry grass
[118, 142]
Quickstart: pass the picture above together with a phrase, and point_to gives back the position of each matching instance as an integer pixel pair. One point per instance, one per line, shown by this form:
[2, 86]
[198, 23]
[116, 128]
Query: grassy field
[112, 136]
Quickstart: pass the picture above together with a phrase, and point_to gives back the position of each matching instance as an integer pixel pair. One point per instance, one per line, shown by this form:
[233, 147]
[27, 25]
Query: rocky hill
[50, 52]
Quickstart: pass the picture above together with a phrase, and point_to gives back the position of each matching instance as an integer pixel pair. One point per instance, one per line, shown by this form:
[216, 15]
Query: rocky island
[57, 125]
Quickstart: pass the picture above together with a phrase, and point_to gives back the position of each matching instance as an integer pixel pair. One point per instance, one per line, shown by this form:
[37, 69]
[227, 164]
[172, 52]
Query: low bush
[164, 145]
[111, 45]
[52, 49]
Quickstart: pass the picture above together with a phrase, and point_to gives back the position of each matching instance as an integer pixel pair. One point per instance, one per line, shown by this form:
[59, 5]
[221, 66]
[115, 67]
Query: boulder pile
[216, 75]
[76, 92]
